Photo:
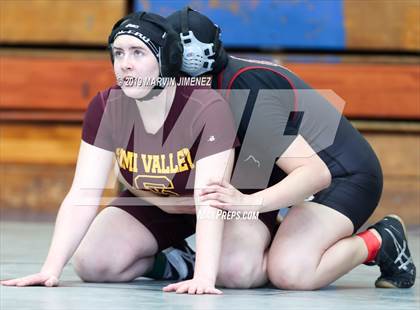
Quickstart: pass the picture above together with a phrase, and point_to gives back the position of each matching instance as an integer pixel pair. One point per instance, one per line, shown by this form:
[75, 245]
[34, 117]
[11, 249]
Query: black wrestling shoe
[181, 259]
[394, 258]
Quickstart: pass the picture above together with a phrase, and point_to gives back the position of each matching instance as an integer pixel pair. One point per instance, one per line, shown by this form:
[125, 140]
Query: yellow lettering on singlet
[188, 156]
[159, 163]
[127, 160]
[165, 169]
[146, 163]
[134, 162]
[156, 164]
[181, 161]
[172, 168]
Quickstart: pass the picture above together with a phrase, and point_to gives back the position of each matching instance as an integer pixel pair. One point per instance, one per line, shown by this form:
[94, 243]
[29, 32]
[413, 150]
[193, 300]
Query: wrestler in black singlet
[357, 179]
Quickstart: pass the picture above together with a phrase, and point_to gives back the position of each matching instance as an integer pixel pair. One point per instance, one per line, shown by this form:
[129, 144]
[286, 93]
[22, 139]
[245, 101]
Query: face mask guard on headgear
[198, 57]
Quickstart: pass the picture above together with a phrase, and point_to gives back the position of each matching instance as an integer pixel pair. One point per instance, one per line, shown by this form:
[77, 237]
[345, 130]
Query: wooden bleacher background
[44, 92]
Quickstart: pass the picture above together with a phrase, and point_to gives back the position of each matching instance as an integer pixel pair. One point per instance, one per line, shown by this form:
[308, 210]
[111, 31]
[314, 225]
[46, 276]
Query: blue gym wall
[305, 24]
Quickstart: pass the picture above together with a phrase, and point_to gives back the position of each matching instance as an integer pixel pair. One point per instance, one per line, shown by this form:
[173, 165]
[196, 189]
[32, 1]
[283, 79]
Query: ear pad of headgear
[203, 49]
[171, 55]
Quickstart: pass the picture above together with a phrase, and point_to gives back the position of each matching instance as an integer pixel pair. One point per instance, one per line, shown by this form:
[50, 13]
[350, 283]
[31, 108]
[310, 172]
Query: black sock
[158, 268]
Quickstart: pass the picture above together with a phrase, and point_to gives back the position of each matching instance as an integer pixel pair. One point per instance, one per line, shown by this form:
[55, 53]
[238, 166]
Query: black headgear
[157, 34]
[205, 31]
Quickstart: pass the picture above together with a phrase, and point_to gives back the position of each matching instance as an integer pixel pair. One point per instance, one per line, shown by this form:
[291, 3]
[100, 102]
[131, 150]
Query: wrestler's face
[134, 62]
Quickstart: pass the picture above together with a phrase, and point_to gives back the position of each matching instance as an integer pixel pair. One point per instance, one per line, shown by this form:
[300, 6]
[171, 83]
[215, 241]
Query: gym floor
[24, 245]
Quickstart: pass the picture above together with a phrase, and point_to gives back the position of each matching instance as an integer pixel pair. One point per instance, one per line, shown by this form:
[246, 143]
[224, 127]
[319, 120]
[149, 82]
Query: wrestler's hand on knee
[41, 279]
[225, 196]
[193, 286]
